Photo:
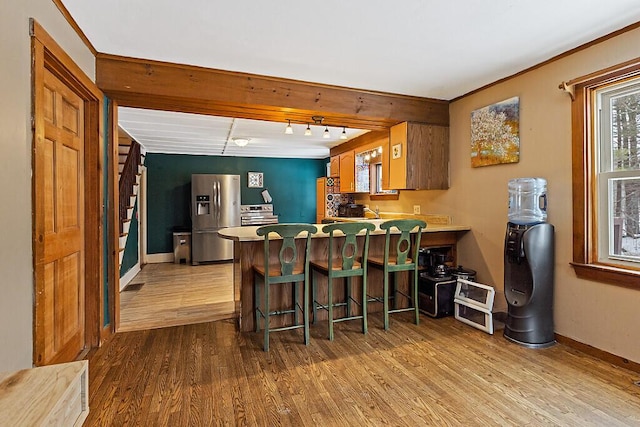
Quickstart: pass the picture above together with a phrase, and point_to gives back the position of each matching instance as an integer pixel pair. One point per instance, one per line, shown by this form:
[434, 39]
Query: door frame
[47, 54]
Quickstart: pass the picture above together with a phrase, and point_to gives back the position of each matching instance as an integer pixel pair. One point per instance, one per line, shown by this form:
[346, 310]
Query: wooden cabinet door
[418, 157]
[428, 161]
[321, 196]
[398, 157]
[347, 172]
[334, 167]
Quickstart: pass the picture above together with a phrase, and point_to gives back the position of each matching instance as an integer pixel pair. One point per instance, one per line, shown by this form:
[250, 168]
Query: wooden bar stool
[346, 263]
[401, 257]
[290, 268]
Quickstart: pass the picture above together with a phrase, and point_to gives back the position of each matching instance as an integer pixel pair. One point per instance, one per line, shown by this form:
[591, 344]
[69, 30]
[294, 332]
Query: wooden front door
[59, 242]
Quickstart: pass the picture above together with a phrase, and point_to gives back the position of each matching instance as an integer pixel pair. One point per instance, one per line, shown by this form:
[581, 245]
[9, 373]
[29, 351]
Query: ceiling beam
[174, 87]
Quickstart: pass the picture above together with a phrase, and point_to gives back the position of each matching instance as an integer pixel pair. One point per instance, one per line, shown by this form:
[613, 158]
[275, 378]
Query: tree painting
[495, 133]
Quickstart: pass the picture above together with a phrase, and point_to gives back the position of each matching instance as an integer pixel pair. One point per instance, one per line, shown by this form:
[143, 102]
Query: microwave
[351, 210]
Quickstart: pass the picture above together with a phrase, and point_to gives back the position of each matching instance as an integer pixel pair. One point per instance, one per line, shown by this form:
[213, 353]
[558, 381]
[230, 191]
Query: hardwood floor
[439, 373]
[170, 294]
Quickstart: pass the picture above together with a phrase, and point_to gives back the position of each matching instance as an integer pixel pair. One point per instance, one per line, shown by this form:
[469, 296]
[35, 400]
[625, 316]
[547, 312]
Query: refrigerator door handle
[214, 203]
[218, 202]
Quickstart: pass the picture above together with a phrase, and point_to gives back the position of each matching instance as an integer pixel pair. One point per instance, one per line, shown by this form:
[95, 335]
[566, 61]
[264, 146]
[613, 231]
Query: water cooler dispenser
[529, 265]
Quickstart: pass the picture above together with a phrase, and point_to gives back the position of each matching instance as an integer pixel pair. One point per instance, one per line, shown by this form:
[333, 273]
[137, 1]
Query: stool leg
[305, 311]
[394, 284]
[364, 303]
[314, 296]
[348, 297]
[385, 299]
[330, 306]
[265, 345]
[295, 303]
[415, 297]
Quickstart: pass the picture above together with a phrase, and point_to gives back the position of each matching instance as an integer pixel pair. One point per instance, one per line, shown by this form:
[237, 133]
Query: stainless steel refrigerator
[215, 204]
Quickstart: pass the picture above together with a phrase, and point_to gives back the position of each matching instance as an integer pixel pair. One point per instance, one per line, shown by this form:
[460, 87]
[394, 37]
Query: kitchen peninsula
[249, 248]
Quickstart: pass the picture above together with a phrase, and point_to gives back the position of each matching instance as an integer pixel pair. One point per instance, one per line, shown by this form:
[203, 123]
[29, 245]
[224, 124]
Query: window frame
[584, 182]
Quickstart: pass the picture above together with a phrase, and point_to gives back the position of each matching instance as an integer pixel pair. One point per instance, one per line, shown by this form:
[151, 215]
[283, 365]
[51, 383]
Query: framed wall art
[254, 180]
[495, 133]
[396, 151]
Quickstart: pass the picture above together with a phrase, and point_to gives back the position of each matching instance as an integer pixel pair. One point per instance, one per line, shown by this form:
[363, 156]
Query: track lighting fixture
[317, 121]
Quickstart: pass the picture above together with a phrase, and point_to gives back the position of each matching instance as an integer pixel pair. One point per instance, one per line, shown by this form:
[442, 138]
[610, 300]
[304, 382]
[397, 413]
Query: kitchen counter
[248, 248]
[248, 233]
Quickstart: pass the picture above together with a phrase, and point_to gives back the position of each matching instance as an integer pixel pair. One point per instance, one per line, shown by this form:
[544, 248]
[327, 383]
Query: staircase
[130, 162]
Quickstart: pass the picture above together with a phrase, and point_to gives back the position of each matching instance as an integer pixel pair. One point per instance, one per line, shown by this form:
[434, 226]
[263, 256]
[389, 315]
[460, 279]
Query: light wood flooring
[177, 294]
[439, 373]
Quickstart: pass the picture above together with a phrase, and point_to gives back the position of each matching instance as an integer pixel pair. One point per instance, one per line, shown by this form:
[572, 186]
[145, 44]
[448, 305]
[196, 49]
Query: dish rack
[473, 304]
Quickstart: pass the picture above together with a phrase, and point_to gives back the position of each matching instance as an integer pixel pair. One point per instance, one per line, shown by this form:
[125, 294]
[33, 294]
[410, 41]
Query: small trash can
[182, 247]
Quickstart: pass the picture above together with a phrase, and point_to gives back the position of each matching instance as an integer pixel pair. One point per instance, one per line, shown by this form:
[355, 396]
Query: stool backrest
[402, 248]
[350, 249]
[288, 255]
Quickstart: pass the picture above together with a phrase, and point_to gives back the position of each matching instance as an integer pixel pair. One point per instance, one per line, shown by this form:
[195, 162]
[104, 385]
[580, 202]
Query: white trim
[159, 258]
[142, 216]
[128, 276]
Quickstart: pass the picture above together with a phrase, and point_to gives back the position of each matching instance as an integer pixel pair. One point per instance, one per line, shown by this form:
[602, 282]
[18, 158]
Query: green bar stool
[290, 268]
[401, 257]
[344, 262]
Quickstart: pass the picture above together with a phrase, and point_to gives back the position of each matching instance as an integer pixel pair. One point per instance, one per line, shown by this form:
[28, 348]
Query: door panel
[59, 224]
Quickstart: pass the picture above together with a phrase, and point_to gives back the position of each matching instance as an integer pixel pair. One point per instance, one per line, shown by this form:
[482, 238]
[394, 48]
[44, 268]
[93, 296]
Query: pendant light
[307, 131]
[326, 134]
[343, 135]
[288, 130]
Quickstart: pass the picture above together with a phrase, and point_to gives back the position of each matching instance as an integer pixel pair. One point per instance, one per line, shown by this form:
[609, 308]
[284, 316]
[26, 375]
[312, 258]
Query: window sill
[608, 274]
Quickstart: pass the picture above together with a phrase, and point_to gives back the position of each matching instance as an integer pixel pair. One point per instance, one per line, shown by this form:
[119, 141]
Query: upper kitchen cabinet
[347, 172]
[334, 166]
[418, 157]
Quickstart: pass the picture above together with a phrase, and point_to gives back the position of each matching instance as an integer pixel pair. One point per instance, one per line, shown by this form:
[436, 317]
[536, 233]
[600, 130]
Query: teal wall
[291, 183]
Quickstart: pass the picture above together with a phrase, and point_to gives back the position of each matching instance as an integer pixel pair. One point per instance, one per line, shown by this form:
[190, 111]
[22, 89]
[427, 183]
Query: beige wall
[16, 272]
[599, 315]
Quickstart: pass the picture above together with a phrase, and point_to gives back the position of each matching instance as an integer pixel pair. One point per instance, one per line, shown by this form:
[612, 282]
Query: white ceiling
[182, 133]
[430, 48]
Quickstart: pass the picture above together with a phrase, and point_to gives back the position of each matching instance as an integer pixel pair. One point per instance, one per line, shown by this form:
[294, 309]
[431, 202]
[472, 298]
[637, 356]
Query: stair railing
[128, 180]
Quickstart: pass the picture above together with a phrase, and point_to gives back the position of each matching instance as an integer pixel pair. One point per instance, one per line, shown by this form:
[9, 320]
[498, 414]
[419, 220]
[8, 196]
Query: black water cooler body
[528, 284]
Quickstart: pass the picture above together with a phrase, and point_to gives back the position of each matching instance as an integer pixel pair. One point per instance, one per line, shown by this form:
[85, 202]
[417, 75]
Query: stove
[257, 215]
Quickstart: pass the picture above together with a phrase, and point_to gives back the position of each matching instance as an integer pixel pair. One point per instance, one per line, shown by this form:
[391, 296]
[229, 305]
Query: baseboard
[159, 258]
[128, 276]
[600, 354]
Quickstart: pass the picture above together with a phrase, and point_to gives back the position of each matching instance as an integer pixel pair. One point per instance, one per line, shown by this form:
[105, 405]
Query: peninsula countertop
[248, 233]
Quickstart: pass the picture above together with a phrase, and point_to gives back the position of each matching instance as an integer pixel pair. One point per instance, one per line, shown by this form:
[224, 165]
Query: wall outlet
[416, 209]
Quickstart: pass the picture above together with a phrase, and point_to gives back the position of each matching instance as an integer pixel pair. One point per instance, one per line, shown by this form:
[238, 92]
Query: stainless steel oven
[257, 215]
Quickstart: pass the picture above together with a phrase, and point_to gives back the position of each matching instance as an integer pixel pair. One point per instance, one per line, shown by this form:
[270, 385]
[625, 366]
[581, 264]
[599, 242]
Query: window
[606, 177]
[618, 175]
